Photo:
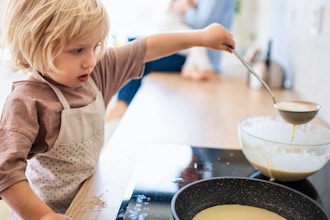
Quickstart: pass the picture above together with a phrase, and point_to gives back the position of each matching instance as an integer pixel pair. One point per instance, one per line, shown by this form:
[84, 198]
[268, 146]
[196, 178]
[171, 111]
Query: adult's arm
[210, 11]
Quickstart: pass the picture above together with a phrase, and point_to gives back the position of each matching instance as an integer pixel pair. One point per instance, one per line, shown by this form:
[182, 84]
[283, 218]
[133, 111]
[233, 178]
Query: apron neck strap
[58, 92]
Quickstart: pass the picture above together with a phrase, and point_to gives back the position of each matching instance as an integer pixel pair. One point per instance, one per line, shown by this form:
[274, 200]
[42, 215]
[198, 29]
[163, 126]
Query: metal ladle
[294, 112]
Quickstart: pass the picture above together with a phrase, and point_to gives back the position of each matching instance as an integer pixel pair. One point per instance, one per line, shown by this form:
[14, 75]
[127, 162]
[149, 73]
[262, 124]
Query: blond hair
[36, 31]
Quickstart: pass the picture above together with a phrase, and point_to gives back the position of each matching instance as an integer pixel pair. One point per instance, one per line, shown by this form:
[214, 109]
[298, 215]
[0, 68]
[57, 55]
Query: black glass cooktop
[164, 168]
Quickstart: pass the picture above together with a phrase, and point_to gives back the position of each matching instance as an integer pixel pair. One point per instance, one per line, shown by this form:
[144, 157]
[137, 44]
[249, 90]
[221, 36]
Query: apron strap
[58, 92]
[93, 86]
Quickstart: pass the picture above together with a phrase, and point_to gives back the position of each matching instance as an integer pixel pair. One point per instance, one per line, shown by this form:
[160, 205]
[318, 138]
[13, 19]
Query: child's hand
[215, 36]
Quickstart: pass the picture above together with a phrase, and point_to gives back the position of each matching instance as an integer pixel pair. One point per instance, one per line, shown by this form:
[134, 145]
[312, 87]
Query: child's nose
[90, 61]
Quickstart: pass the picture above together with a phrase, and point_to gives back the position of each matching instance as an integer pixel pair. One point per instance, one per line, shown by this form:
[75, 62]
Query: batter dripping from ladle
[294, 112]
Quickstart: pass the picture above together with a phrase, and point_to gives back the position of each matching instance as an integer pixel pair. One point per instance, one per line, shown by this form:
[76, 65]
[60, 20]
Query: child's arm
[215, 36]
[25, 202]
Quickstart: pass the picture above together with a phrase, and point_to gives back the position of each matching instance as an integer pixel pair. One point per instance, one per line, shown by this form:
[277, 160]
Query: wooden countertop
[170, 109]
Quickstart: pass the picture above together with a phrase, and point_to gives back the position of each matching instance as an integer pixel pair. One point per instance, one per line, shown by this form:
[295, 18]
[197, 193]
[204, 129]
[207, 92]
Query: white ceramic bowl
[266, 143]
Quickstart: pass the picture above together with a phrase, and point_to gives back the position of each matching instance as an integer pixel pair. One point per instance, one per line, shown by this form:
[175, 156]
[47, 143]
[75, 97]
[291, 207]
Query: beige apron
[57, 175]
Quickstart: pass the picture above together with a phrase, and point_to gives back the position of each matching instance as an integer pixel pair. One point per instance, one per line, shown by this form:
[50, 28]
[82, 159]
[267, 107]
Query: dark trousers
[172, 63]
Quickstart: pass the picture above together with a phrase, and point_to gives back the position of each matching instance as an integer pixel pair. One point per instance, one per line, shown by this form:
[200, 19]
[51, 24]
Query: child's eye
[77, 51]
[97, 45]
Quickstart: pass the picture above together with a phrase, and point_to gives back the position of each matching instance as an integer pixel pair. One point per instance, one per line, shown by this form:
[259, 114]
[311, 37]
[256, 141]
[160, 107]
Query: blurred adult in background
[197, 63]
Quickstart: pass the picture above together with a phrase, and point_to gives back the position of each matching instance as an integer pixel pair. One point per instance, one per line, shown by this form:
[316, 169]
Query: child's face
[76, 61]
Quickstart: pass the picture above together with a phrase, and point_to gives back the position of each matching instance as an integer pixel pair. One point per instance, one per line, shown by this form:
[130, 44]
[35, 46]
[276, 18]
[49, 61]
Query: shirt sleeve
[18, 128]
[25, 128]
[13, 159]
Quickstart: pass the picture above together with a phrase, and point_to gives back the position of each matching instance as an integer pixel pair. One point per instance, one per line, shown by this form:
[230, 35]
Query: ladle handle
[254, 73]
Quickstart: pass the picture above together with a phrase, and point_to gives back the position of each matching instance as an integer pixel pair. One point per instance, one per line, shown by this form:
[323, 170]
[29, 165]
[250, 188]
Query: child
[51, 130]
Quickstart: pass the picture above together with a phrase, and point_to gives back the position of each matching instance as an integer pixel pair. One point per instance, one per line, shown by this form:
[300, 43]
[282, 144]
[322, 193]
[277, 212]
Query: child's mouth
[83, 78]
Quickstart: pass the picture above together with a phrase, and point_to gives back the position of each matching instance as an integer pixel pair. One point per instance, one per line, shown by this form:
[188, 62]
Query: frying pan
[202, 194]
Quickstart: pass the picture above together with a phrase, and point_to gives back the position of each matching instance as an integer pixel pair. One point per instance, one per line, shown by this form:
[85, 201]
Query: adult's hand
[206, 75]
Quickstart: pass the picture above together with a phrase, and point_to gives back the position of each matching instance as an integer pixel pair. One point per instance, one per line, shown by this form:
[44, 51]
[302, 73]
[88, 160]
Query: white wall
[303, 52]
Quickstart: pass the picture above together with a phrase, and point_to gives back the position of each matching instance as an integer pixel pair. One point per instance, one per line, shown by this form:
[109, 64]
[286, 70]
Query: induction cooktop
[163, 169]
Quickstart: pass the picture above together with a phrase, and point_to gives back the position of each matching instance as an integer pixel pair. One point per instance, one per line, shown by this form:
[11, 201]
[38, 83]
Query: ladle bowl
[297, 112]
[294, 112]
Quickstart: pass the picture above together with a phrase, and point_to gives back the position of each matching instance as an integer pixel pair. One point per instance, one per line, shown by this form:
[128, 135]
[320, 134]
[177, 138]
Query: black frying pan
[202, 194]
